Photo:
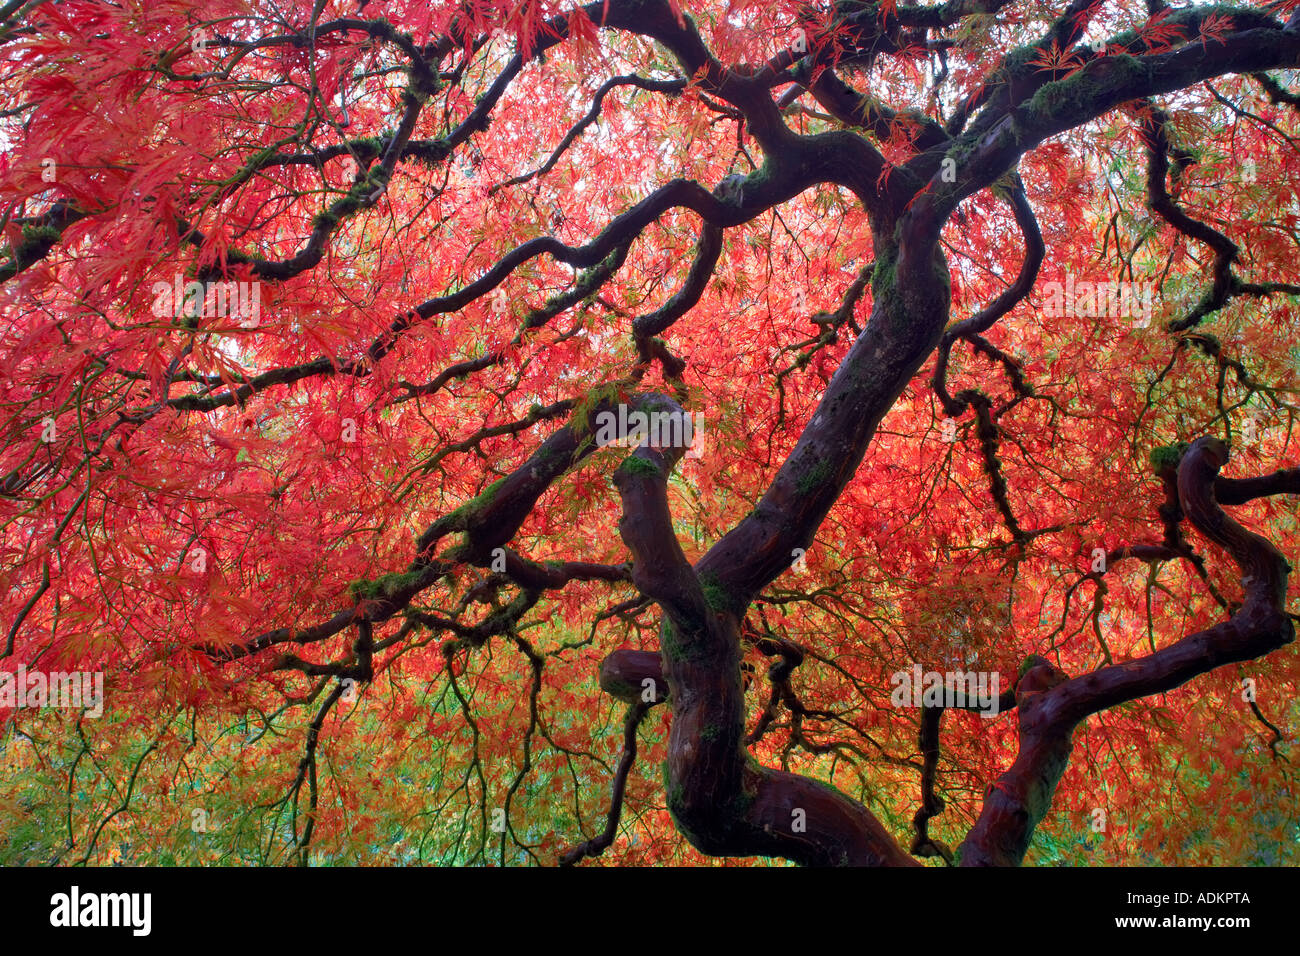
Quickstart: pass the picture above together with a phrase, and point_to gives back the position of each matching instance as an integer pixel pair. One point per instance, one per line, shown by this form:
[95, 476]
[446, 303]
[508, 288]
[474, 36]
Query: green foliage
[638, 466]
[388, 586]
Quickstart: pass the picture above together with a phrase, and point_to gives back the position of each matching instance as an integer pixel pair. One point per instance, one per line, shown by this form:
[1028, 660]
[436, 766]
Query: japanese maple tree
[984, 313]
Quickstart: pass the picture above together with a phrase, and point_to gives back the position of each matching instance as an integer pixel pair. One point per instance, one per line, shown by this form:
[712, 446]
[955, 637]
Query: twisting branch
[600, 843]
[932, 804]
[987, 429]
[789, 656]
[970, 329]
[724, 803]
[487, 522]
[1006, 130]
[1051, 704]
[1158, 198]
[646, 327]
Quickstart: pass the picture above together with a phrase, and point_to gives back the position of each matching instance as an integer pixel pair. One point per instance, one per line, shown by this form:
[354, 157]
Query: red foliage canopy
[326, 335]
